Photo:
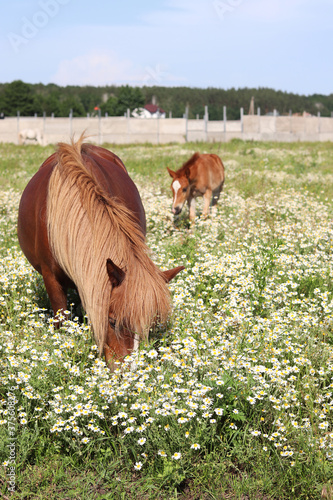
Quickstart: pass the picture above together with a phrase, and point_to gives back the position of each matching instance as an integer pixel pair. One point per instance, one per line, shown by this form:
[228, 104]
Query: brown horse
[82, 225]
[201, 175]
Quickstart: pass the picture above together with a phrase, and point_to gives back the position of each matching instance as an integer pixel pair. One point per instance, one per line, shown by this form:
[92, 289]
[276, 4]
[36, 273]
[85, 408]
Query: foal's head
[181, 190]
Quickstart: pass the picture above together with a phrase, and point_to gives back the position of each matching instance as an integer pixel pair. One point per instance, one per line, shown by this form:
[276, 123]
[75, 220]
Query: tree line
[30, 99]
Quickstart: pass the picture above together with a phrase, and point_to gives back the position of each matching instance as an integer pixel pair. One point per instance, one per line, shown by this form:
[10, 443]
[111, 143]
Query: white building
[149, 111]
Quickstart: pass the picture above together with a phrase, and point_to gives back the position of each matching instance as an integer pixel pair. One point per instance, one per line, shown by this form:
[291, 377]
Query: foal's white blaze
[176, 186]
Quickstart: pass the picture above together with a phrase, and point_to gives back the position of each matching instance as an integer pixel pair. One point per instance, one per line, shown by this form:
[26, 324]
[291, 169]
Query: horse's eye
[112, 323]
[184, 190]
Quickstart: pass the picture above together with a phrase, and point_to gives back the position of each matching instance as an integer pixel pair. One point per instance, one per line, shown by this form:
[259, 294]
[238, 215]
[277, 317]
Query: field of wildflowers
[233, 399]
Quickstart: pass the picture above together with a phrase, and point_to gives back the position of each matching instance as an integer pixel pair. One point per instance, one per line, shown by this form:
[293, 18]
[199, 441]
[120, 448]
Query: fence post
[206, 118]
[225, 123]
[44, 120]
[99, 127]
[318, 122]
[241, 119]
[186, 124]
[158, 126]
[127, 114]
[259, 119]
[18, 126]
[70, 123]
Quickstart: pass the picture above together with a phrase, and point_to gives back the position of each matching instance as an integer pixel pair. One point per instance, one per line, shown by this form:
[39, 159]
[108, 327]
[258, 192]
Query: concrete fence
[124, 130]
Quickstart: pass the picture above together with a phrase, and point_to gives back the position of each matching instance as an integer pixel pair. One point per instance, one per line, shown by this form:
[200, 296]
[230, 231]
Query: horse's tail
[220, 165]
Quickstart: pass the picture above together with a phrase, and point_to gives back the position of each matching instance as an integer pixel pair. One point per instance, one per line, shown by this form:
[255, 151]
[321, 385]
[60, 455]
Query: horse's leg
[207, 197]
[191, 206]
[57, 294]
[39, 138]
[215, 199]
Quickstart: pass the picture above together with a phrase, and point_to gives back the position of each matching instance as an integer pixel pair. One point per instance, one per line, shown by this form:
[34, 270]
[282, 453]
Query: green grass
[233, 398]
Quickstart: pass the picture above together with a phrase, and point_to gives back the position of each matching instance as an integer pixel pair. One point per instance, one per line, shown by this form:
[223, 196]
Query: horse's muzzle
[176, 210]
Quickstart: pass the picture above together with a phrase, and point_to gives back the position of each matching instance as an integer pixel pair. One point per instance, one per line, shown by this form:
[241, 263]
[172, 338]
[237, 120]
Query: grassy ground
[233, 399]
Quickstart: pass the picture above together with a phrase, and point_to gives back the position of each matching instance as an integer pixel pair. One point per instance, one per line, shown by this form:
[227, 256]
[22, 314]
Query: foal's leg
[215, 199]
[207, 197]
[191, 206]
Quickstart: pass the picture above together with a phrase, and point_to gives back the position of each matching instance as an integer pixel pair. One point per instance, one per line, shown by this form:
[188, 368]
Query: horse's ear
[116, 275]
[171, 273]
[187, 172]
[171, 173]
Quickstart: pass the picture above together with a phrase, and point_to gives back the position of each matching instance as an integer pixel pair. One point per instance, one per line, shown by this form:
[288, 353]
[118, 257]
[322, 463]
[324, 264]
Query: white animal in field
[30, 136]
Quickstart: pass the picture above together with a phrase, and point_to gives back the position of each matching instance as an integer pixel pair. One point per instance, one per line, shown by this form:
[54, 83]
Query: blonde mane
[86, 226]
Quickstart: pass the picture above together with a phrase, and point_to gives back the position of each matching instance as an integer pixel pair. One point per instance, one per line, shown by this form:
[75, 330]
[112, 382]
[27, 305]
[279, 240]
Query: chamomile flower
[195, 446]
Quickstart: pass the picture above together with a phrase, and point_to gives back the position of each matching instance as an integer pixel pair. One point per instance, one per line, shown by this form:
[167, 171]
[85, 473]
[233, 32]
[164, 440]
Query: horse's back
[102, 155]
[210, 169]
[113, 177]
[213, 162]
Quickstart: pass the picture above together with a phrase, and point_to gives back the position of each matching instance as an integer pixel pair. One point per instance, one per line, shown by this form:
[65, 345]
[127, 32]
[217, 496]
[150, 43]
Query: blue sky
[282, 44]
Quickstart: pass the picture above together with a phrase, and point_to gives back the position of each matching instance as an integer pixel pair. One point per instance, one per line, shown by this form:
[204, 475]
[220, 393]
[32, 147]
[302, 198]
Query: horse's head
[120, 341]
[124, 333]
[181, 189]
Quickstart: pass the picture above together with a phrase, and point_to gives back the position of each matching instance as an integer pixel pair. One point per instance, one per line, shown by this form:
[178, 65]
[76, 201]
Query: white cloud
[279, 12]
[106, 68]
[182, 13]
[96, 68]
[272, 11]
[203, 13]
